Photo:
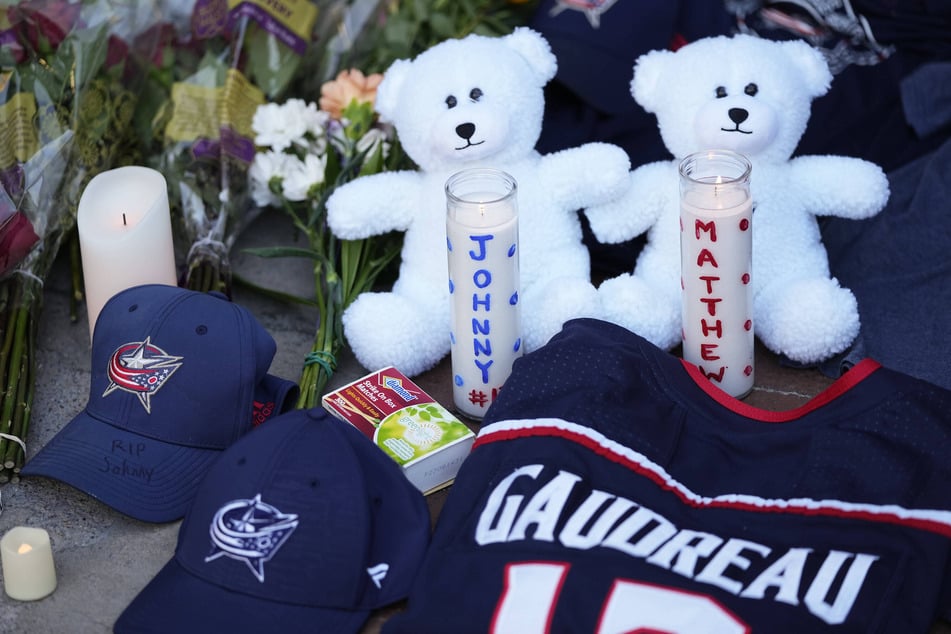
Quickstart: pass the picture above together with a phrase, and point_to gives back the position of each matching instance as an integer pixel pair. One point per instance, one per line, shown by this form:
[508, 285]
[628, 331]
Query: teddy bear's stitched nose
[738, 115]
[465, 130]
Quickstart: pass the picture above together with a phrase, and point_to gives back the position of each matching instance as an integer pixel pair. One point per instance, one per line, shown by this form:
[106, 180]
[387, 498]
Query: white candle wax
[485, 308]
[28, 571]
[716, 270]
[125, 235]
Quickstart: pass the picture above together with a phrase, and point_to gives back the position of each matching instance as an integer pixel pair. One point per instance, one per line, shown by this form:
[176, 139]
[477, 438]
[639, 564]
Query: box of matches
[406, 423]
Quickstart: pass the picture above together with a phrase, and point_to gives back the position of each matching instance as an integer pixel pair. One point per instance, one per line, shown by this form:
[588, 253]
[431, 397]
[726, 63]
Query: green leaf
[270, 292]
[283, 252]
[374, 163]
[443, 26]
[271, 65]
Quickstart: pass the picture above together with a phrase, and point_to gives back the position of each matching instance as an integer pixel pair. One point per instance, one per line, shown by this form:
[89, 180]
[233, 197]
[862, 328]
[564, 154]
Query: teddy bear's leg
[629, 301]
[388, 329]
[808, 320]
[548, 305]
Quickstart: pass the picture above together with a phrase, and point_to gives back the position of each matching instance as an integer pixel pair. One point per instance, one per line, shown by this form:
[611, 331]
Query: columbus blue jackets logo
[140, 368]
[592, 9]
[251, 531]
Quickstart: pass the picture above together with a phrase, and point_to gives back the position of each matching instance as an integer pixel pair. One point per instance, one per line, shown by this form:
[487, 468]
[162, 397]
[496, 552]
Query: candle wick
[123, 220]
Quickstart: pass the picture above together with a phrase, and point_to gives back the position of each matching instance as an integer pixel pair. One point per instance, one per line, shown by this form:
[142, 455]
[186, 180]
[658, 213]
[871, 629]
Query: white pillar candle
[716, 268]
[482, 241]
[125, 235]
[28, 571]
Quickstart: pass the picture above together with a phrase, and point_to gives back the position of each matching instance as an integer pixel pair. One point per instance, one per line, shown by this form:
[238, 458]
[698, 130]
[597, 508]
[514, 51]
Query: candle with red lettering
[716, 267]
[482, 242]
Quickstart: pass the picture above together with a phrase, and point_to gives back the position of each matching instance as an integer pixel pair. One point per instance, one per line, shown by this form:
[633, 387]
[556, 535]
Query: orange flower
[350, 85]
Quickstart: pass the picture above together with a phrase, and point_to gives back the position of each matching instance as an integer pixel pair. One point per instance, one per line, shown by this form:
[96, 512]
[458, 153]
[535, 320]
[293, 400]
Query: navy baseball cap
[303, 525]
[177, 377]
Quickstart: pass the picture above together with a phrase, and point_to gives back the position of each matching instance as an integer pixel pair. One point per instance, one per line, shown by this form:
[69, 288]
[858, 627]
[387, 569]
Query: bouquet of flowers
[303, 154]
[66, 104]
[233, 58]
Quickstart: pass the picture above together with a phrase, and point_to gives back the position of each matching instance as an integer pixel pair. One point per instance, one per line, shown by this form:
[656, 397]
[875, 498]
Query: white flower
[279, 125]
[265, 167]
[302, 176]
[315, 124]
[370, 141]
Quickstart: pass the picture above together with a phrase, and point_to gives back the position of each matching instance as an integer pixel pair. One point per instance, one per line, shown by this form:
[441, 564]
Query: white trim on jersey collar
[937, 521]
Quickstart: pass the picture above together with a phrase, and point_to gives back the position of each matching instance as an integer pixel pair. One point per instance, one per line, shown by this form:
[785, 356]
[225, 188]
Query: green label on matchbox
[417, 430]
[406, 423]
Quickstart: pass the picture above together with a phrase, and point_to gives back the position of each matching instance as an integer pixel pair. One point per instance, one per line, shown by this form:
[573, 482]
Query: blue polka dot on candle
[452, 338]
[458, 380]
[511, 250]
[518, 344]
[514, 298]
[448, 244]
[452, 287]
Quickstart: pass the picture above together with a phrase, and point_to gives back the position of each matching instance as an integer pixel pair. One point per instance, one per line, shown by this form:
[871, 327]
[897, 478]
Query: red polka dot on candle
[744, 224]
[748, 324]
[748, 370]
[745, 279]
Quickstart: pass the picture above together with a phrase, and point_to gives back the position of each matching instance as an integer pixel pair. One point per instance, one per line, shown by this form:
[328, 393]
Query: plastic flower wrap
[235, 57]
[66, 104]
[303, 153]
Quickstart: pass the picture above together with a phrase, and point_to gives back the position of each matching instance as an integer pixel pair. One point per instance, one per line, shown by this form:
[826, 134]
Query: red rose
[44, 24]
[16, 240]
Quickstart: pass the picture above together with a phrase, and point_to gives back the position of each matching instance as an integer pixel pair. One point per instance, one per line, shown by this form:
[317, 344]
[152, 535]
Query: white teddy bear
[752, 96]
[472, 102]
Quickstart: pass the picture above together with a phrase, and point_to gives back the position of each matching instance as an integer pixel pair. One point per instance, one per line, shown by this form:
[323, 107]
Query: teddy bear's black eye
[451, 101]
[751, 89]
[721, 92]
[475, 94]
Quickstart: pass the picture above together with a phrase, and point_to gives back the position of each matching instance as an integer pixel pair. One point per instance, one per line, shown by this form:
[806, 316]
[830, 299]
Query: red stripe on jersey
[936, 521]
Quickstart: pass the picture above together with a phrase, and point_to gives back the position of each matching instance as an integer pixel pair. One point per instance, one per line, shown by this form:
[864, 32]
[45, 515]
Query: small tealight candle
[125, 234]
[482, 242]
[28, 572]
[716, 261]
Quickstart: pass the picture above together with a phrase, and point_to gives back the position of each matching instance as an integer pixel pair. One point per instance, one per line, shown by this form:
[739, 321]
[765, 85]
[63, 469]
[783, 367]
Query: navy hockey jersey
[614, 489]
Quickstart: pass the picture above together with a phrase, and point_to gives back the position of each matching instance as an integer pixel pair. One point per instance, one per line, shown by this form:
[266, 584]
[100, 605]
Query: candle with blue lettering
[716, 251]
[482, 241]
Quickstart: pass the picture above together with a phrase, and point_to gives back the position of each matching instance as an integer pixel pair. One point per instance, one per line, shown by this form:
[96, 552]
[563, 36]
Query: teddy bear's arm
[589, 174]
[839, 185]
[650, 189]
[374, 204]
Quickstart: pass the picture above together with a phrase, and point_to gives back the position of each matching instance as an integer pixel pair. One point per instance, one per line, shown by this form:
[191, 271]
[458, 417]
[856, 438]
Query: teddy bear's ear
[388, 92]
[648, 69]
[536, 50]
[811, 65]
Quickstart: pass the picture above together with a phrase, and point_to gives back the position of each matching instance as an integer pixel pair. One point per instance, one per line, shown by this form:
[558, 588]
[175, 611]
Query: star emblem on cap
[140, 368]
[251, 531]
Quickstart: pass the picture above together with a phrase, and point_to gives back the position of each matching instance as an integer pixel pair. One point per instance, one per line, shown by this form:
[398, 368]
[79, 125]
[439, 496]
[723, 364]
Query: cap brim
[272, 396]
[147, 479]
[144, 478]
[176, 601]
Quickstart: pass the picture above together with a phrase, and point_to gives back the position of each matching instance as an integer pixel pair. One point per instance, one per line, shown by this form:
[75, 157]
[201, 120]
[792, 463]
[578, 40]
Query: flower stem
[321, 362]
[76, 276]
[23, 299]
